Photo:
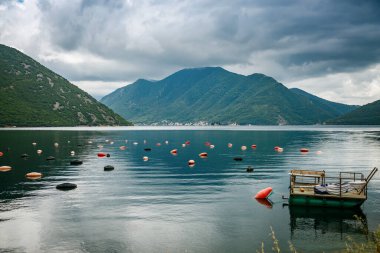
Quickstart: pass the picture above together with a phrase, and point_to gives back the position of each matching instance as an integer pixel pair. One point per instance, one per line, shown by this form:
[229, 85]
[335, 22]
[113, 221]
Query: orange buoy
[102, 154]
[173, 152]
[1, 153]
[304, 150]
[203, 155]
[253, 146]
[191, 162]
[5, 168]
[263, 194]
[33, 175]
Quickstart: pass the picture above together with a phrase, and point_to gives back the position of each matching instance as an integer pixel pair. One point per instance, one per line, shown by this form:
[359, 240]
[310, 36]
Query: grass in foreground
[371, 246]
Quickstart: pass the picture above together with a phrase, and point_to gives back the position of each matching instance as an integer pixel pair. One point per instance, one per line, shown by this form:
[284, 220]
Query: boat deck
[308, 190]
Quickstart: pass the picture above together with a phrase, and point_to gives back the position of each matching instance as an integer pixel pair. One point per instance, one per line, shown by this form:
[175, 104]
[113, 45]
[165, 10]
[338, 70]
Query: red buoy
[203, 155]
[191, 162]
[276, 148]
[173, 152]
[207, 144]
[102, 154]
[253, 146]
[304, 150]
[263, 194]
[187, 142]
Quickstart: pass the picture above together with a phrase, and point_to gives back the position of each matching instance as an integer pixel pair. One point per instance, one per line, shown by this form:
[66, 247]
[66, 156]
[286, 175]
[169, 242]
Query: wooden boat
[349, 190]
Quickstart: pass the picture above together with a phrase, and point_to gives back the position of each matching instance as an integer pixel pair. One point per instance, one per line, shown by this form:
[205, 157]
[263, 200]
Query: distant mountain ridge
[215, 95]
[335, 108]
[368, 114]
[33, 95]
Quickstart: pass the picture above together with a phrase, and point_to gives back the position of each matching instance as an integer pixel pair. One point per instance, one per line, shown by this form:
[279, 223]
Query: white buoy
[135, 143]
[166, 142]
[107, 140]
[34, 144]
[72, 152]
[183, 145]
[229, 145]
[89, 142]
[111, 142]
[39, 151]
[144, 141]
[126, 141]
[68, 141]
[280, 150]
[56, 144]
[212, 146]
[243, 148]
[319, 152]
[100, 146]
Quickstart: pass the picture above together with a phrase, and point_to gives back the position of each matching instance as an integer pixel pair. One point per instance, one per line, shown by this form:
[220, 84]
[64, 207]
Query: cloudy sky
[329, 48]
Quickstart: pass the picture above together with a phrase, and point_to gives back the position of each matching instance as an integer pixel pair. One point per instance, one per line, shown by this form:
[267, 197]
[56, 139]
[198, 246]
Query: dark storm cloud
[125, 40]
[325, 35]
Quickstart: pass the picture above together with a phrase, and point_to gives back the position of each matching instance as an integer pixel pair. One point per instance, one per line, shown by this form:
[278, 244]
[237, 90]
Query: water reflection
[308, 224]
[162, 204]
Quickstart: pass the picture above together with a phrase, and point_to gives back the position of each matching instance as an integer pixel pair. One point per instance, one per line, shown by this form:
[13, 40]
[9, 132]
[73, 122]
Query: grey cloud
[133, 39]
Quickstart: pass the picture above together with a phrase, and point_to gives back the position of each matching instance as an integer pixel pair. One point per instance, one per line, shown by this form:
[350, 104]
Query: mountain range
[33, 95]
[368, 114]
[215, 95]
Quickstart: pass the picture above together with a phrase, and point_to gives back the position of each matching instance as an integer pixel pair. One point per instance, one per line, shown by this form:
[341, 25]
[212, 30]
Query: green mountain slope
[336, 109]
[368, 114]
[214, 95]
[32, 95]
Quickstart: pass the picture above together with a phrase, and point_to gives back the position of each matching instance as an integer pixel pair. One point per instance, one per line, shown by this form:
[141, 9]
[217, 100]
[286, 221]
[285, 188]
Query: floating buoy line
[261, 195]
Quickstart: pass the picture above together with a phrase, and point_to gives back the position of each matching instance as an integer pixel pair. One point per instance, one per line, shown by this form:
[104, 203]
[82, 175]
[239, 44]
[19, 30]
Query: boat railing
[308, 178]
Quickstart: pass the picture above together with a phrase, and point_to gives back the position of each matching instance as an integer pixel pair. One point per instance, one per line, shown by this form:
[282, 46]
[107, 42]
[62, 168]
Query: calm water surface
[163, 205]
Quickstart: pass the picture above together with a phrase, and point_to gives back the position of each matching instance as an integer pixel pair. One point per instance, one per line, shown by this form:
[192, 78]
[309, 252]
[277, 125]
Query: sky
[328, 48]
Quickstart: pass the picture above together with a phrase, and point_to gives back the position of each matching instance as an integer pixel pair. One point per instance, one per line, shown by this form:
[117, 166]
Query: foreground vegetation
[371, 246]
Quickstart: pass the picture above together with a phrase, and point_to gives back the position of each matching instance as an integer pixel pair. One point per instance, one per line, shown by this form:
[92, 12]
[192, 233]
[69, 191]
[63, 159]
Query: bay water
[163, 204]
